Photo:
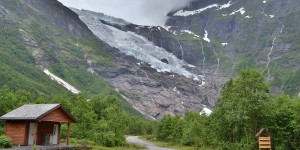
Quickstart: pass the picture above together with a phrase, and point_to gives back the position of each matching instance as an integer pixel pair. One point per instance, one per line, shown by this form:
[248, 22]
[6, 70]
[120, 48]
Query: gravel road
[150, 146]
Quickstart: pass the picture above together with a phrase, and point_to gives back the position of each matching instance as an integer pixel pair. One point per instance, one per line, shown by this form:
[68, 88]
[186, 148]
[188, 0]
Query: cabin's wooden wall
[43, 129]
[57, 115]
[17, 130]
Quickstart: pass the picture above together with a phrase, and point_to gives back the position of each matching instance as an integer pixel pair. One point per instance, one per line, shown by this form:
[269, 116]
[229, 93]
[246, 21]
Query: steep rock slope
[152, 79]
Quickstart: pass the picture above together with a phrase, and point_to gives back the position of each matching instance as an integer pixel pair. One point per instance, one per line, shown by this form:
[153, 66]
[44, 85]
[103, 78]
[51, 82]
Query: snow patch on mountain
[189, 13]
[202, 83]
[224, 44]
[191, 33]
[166, 27]
[225, 5]
[205, 38]
[241, 10]
[198, 11]
[176, 90]
[61, 82]
[205, 111]
[136, 46]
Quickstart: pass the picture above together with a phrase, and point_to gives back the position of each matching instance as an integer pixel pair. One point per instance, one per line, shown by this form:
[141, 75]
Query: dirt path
[150, 146]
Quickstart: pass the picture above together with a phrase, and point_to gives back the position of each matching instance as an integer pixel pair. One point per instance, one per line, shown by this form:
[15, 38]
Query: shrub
[1, 130]
[5, 142]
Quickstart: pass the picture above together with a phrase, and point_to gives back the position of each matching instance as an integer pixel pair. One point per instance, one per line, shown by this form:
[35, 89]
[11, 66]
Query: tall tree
[241, 108]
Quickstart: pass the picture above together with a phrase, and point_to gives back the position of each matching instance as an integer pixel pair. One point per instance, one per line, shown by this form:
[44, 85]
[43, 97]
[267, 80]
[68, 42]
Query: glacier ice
[137, 46]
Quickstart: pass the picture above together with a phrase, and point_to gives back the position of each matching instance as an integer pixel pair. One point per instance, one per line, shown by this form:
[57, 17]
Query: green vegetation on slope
[17, 66]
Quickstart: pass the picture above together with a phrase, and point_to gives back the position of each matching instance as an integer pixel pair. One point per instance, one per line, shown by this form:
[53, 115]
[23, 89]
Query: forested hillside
[101, 120]
[244, 107]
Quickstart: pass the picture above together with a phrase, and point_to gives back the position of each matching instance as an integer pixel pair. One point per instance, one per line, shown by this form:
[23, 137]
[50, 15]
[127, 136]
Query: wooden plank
[264, 146]
[16, 130]
[264, 138]
[264, 142]
[57, 115]
[5, 127]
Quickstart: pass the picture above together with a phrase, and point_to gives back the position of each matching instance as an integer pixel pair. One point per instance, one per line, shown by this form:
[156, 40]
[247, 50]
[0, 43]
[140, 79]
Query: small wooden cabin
[37, 124]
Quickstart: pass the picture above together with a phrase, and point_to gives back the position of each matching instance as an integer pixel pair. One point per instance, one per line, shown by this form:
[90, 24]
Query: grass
[129, 147]
[94, 146]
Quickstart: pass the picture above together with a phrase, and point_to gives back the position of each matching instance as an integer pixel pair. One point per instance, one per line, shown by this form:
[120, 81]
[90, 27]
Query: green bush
[1, 130]
[5, 142]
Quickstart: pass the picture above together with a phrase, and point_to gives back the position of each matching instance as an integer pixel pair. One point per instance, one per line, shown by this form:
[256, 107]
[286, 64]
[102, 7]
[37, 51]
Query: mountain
[46, 49]
[212, 41]
[173, 69]
[151, 79]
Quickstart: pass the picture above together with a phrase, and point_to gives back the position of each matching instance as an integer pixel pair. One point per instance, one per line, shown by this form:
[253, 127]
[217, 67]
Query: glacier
[135, 45]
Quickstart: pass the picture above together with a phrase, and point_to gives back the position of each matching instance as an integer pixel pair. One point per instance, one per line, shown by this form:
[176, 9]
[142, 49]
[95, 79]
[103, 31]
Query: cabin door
[55, 134]
[31, 134]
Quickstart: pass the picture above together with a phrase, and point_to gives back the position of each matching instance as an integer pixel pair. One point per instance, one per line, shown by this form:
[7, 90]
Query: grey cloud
[142, 12]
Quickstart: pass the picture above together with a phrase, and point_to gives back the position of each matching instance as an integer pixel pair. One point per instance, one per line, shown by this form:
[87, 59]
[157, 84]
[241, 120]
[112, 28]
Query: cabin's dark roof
[31, 112]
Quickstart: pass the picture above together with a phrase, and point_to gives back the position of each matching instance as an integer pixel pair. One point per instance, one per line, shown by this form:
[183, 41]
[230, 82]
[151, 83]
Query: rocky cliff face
[152, 79]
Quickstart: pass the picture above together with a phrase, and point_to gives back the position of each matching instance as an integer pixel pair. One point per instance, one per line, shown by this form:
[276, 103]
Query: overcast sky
[142, 12]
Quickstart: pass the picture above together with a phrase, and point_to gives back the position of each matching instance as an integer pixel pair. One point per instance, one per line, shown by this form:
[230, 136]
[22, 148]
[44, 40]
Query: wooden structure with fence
[264, 139]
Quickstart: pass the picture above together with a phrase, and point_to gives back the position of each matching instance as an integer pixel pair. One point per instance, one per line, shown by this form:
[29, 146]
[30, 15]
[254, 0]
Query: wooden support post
[68, 134]
[5, 131]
